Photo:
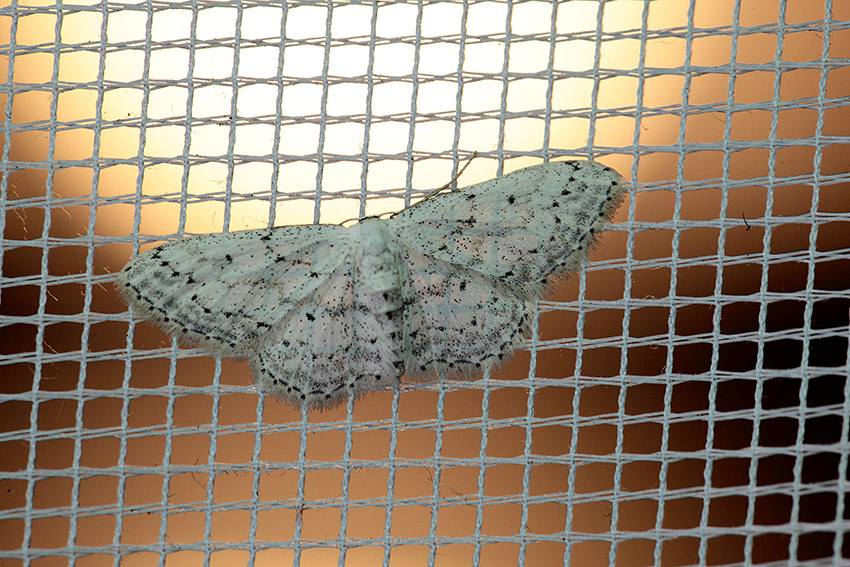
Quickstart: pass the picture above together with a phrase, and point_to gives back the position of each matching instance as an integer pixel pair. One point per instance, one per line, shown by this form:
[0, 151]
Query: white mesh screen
[684, 400]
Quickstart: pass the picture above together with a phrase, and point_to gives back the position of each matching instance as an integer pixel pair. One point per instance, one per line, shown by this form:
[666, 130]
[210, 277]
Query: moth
[446, 287]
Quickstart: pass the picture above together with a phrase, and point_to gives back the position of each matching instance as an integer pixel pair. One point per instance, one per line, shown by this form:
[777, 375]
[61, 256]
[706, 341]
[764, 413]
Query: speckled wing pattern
[223, 291]
[445, 287]
[477, 259]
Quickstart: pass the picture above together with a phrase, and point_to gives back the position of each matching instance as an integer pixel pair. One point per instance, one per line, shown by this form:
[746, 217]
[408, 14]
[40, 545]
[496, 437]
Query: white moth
[445, 287]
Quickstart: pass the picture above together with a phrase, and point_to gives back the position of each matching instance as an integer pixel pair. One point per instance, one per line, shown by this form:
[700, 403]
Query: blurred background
[684, 400]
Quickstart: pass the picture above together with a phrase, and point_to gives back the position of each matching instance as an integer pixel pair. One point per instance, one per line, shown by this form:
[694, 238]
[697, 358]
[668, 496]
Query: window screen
[682, 400]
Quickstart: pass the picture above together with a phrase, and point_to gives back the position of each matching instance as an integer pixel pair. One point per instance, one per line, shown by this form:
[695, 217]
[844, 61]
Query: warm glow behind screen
[683, 401]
